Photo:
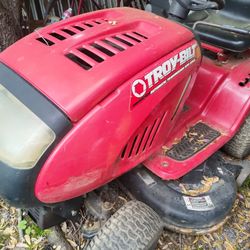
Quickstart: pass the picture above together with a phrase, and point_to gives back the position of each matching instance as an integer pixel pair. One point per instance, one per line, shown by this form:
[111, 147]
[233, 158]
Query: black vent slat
[116, 46]
[133, 38]
[70, 32]
[143, 135]
[79, 61]
[157, 129]
[122, 41]
[150, 132]
[102, 49]
[89, 25]
[91, 55]
[78, 27]
[58, 36]
[124, 151]
[45, 41]
[138, 34]
[132, 147]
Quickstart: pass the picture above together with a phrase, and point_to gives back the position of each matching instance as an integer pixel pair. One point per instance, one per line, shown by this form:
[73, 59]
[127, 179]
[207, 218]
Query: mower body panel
[121, 80]
[96, 151]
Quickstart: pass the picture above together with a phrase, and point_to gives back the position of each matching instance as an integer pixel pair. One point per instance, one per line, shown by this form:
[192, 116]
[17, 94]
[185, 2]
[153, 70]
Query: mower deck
[197, 203]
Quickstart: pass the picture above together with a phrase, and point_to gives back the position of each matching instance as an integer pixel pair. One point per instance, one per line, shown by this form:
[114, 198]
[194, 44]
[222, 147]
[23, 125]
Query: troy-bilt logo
[157, 77]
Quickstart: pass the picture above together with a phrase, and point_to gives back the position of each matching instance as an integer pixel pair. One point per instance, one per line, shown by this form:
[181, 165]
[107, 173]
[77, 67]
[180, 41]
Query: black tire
[135, 226]
[221, 3]
[239, 145]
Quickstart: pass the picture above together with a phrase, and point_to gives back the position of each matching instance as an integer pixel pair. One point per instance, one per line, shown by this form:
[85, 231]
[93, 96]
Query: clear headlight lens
[23, 136]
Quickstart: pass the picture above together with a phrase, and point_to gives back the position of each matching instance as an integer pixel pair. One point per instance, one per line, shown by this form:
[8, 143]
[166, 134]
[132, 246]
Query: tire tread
[135, 226]
[239, 145]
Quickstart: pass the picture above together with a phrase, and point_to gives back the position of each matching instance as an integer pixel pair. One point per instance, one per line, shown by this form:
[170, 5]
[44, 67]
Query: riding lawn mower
[126, 95]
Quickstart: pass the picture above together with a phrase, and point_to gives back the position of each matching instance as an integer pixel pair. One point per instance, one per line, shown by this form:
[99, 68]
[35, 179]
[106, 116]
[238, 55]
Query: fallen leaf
[27, 239]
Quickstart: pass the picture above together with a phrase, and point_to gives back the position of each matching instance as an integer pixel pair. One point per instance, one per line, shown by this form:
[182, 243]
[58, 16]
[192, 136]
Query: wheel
[239, 145]
[221, 3]
[135, 226]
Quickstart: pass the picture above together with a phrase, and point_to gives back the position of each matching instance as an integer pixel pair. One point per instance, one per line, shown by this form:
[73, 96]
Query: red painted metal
[216, 99]
[212, 48]
[91, 154]
[122, 113]
[75, 90]
[220, 53]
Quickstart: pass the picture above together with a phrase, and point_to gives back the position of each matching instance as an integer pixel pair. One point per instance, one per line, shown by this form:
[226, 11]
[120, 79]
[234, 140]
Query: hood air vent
[143, 140]
[90, 55]
[68, 31]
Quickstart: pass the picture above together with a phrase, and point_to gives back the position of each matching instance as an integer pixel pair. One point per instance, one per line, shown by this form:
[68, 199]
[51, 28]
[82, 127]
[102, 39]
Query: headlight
[23, 136]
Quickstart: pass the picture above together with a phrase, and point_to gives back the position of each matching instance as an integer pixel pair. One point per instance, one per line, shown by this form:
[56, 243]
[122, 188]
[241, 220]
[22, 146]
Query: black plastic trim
[17, 186]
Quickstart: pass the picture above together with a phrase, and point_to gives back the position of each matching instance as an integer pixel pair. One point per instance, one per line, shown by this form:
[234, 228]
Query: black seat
[236, 14]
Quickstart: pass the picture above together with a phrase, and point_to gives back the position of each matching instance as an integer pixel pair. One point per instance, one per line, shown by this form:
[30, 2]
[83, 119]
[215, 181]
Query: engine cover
[122, 77]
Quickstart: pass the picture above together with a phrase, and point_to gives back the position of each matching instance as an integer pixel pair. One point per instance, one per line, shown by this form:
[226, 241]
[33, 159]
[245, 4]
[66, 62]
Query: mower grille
[69, 31]
[90, 55]
[195, 139]
[143, 139]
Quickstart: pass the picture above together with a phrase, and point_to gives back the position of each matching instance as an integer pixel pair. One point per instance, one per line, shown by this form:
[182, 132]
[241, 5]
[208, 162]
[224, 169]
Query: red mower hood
[78, 62]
